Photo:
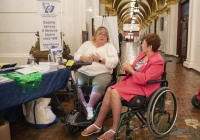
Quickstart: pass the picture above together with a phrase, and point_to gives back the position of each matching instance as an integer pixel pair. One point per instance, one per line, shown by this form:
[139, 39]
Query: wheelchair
[157, 112]
[76, 118]
[196, 100]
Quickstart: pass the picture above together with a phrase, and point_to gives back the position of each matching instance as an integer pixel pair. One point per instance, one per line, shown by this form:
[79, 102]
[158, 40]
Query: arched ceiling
[148, 10]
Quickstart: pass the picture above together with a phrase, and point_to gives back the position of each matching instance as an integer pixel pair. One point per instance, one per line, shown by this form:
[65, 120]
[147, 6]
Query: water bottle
[31, 60]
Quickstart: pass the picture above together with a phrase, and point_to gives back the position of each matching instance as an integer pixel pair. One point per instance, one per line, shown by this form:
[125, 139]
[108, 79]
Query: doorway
[182, 38]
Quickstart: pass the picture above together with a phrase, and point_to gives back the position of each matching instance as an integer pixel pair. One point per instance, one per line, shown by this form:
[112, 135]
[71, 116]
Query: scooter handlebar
[79, 64]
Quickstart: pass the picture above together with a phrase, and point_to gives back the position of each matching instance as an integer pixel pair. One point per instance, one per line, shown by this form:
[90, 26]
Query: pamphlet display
[56, 55]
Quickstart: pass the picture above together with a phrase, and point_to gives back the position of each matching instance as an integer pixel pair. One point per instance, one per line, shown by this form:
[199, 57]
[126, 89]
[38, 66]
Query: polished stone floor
[184, 82]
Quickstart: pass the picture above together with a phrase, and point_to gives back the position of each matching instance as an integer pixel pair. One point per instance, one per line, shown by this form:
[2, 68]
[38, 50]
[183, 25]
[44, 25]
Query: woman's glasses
[102, 35]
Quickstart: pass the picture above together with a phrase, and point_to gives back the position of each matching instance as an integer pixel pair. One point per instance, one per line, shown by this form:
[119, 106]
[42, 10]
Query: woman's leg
[81, 82]
[115, 102]
[99, 84]
[116, 108]
[81, 97]
[94, 98]
[102, 114]
[105, 108]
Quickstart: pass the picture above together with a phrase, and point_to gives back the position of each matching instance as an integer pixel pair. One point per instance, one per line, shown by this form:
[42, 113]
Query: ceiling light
[90, 9]
[136, 8]
[132, 21]
[134, 17]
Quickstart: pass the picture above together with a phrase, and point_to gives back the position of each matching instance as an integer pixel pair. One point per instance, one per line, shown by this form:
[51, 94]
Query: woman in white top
[104, 58]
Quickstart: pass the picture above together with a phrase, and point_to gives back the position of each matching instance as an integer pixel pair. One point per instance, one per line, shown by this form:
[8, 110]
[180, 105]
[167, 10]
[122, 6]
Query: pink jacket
[134, 85]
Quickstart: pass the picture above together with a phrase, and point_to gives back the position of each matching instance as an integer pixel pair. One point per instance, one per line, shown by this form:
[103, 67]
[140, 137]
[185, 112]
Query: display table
[11, 94]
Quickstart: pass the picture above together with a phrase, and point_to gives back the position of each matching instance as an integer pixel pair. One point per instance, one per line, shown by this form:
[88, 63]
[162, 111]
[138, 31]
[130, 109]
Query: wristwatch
[100, 60]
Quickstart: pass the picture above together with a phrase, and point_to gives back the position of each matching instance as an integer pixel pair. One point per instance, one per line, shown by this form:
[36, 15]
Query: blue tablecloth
[11, 93]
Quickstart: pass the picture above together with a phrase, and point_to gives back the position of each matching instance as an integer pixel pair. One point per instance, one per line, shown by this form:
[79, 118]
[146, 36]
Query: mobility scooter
[76, 118]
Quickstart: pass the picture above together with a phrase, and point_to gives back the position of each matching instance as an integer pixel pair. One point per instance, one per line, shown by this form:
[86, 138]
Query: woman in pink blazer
[149, 65]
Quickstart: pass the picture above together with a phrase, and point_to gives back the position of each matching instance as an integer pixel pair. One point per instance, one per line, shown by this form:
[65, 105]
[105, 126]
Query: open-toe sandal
[97, 131]
[109, 131]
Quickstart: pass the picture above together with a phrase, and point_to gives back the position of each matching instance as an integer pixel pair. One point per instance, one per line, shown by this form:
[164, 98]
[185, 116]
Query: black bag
[136, 102]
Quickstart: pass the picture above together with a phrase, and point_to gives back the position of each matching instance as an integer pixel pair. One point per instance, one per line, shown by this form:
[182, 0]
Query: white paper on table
[48, 66]
[28, 70]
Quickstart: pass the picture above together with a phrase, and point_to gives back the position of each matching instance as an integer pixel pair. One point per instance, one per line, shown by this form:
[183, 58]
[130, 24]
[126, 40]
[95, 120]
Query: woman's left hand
[127, 67]
[96, 57]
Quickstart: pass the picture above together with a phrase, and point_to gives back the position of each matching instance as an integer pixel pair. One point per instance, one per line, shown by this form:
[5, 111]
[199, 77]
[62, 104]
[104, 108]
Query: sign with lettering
[49, 24]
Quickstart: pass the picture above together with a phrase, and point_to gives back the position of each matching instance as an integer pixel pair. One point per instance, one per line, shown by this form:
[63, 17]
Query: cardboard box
[4, 130]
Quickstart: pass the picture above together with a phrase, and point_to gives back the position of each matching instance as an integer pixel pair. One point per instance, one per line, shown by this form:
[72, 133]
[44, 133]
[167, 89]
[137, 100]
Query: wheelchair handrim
[158, 134]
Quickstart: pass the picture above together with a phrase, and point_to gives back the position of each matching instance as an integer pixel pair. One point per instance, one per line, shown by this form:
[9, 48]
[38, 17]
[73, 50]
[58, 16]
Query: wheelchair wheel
[195, 102]
[162, 112]
[72, 130]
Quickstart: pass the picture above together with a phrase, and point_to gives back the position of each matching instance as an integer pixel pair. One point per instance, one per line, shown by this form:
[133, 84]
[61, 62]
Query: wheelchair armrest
[79, 64]
[155, 81]
[122, 74]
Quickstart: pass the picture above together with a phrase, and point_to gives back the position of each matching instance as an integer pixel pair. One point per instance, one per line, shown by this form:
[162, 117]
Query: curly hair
[154, 40]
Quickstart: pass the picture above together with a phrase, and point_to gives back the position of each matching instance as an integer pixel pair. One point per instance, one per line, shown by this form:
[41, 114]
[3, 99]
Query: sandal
[109, 131]
[98, 130]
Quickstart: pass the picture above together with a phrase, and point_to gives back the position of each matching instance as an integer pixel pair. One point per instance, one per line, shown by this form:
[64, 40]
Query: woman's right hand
[86, 58]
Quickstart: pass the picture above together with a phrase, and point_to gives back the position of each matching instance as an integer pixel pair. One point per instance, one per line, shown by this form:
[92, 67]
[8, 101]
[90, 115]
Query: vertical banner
[49, 24]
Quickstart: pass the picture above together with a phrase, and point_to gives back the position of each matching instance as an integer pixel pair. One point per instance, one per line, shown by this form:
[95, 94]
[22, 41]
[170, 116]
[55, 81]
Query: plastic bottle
[31, 60]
